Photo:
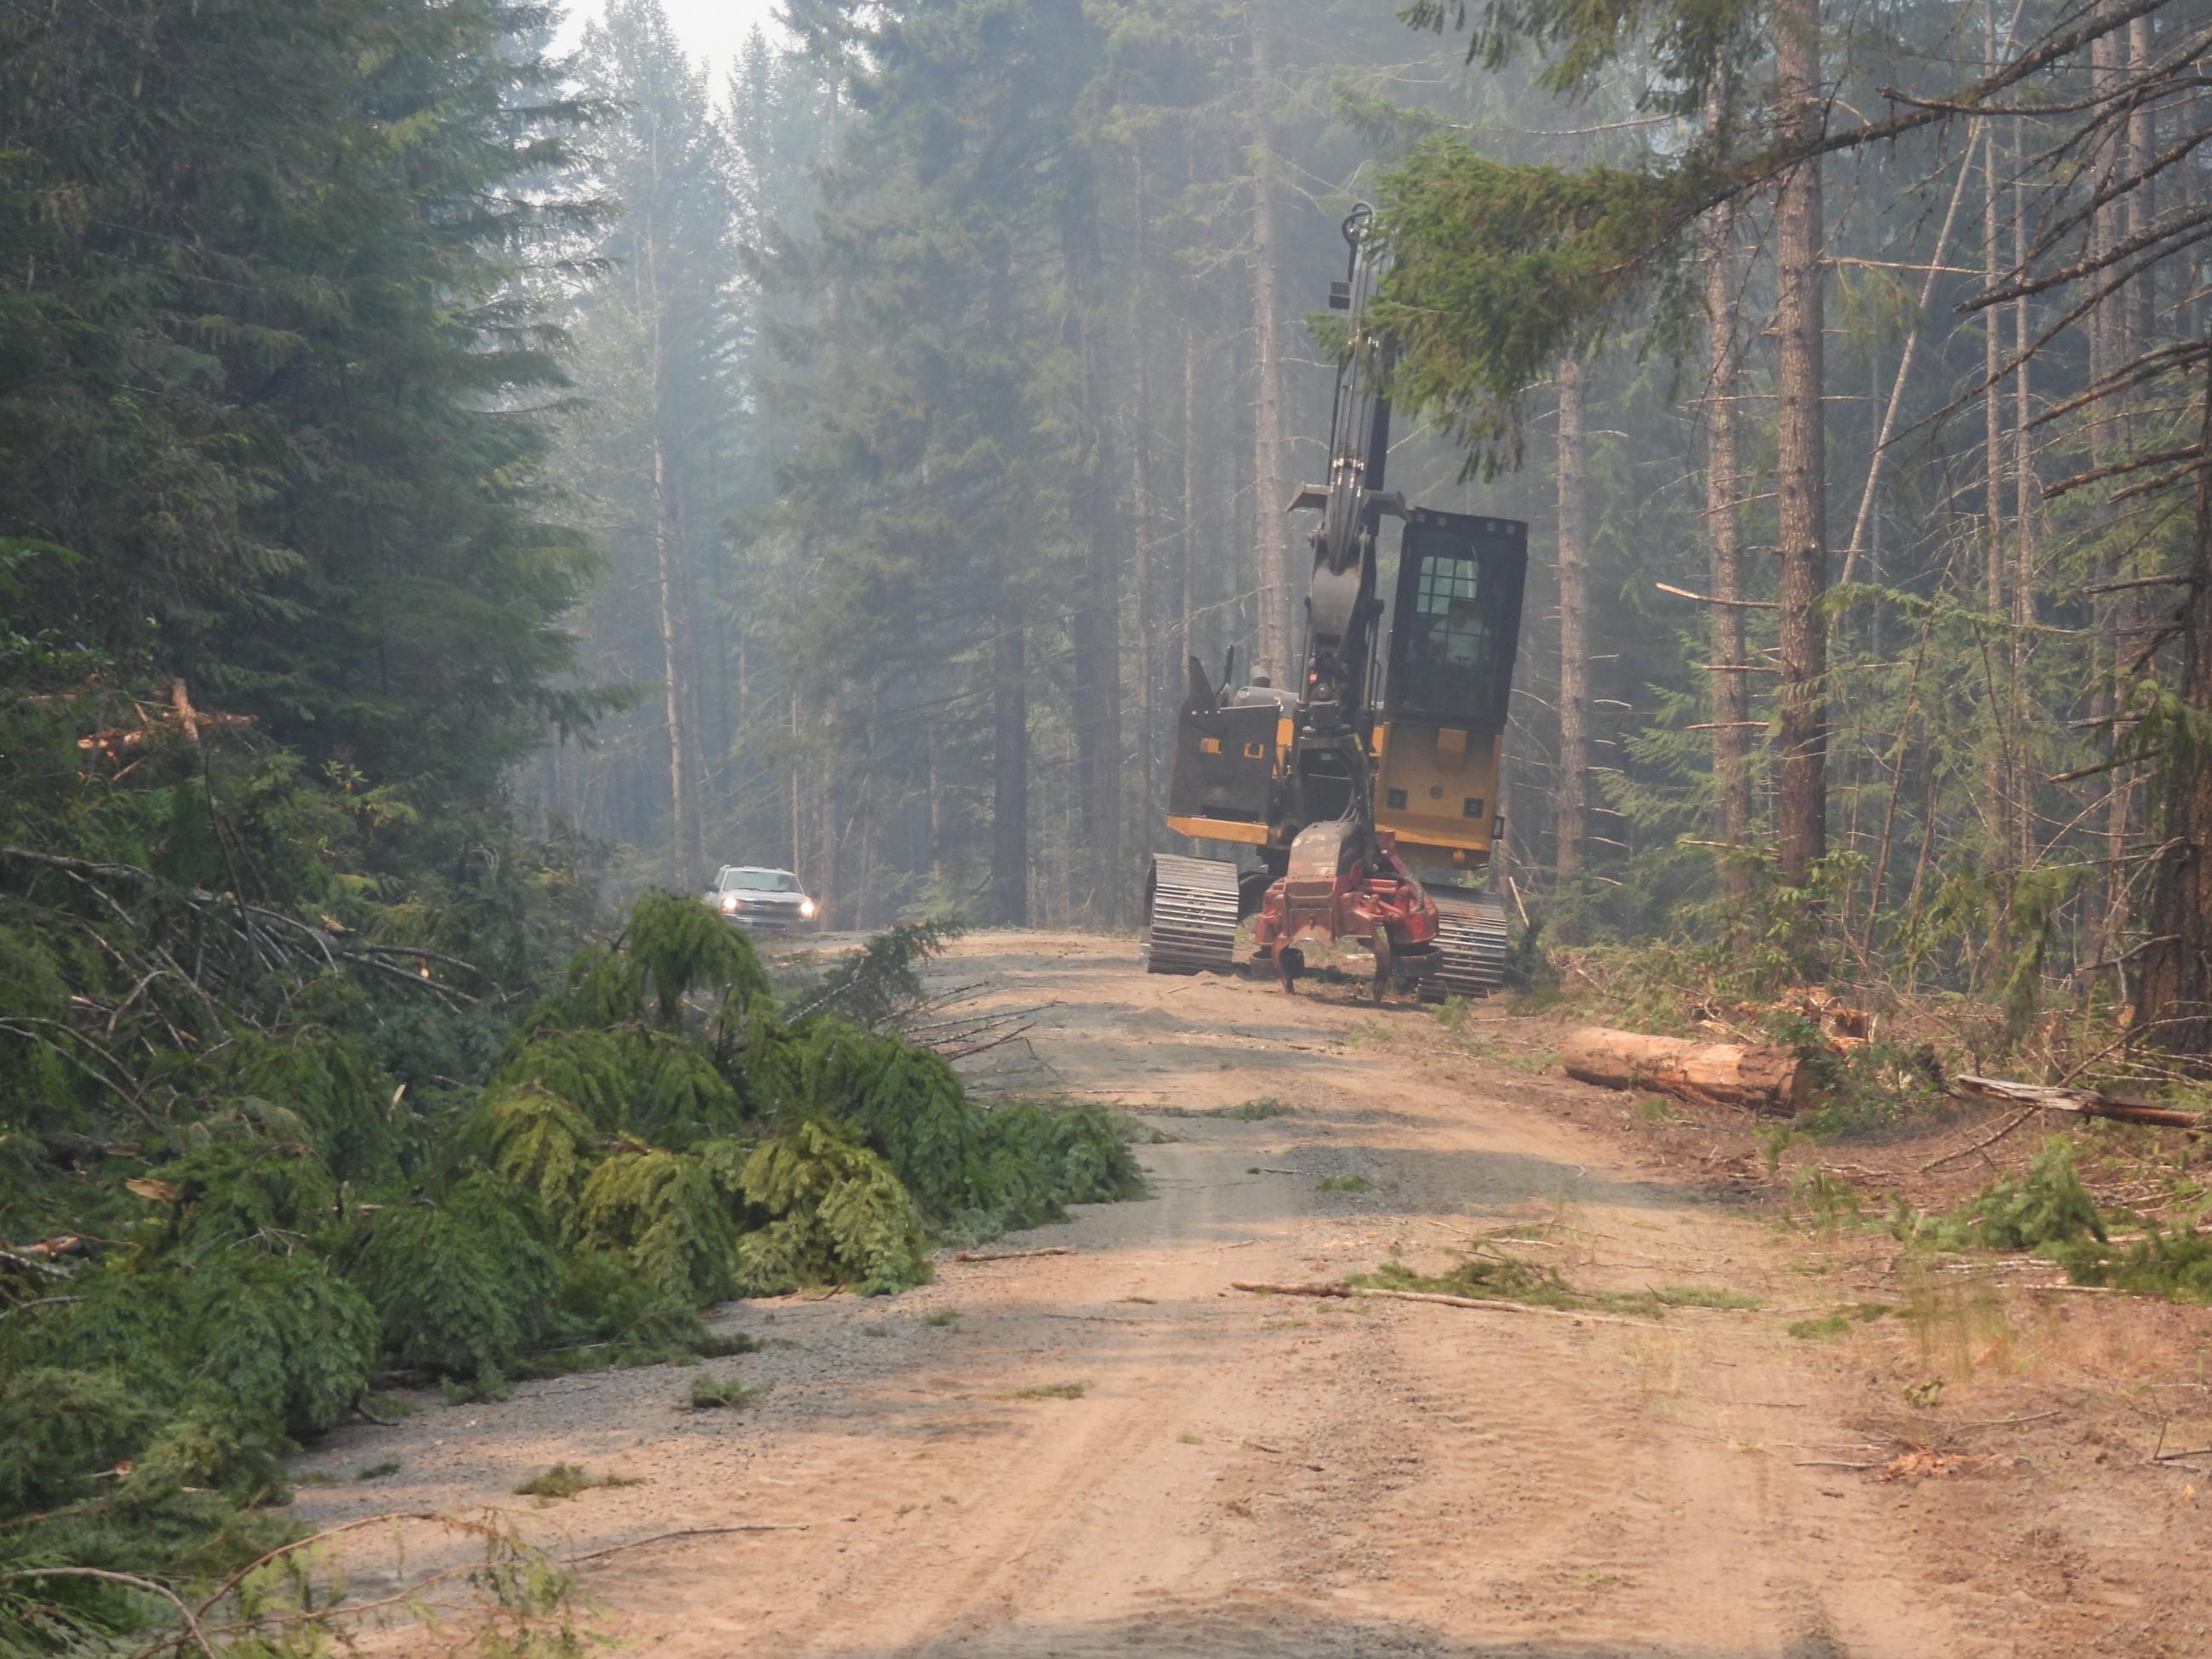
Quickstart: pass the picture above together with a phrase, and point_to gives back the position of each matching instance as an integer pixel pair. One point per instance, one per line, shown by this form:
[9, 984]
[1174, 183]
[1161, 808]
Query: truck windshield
[759, 881]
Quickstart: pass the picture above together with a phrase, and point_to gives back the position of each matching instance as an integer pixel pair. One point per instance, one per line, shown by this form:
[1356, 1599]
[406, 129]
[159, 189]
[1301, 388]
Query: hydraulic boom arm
[1329, 765]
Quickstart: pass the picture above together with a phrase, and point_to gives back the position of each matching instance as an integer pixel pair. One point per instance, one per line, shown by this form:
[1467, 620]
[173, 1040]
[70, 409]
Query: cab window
[1451, 660]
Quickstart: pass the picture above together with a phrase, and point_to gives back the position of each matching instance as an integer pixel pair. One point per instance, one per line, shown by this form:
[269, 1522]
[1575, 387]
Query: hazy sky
[714, 29]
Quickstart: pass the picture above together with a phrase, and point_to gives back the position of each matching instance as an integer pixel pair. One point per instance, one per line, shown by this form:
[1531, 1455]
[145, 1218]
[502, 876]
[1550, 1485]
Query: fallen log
[1494, 1304]
[1752, 1075]
[2084, 1102]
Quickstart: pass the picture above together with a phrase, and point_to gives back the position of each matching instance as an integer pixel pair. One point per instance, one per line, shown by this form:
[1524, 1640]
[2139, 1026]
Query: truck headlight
[806, 908]
[729, 901]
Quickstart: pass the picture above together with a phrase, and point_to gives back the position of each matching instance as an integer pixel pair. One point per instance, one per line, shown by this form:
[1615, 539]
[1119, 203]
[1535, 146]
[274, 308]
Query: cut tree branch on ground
[1488, 1303]
[192, 1623]
[275, 939]
[2160, 1455]
[2084, 1102]
[1012, 1256]
[710, 1532]
[1990, 1139]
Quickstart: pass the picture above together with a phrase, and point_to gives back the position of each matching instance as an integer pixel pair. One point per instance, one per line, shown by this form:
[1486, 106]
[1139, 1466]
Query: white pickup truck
[761, 900]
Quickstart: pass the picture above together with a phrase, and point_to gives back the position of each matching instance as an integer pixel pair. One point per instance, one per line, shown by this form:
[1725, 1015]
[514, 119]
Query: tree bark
[1731, 692]
[2174, 995]
[1801, 465]
[1995, 773]
[1095, 633]
[1571, 802]
[2085, 1103]
[670, 553]
[2104, 229]
[2131, 318]
[2142, 293]
[1764, 1078]
[1186, 532]
[1278, 644]
[2025, 489]
[1144, 516]
[826, 879]
[1010, 771]
[684, 851]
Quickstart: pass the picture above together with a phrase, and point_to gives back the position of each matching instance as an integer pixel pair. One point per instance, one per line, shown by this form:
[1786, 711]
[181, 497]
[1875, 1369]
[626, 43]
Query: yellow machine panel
[1252, 834]
[1436, 788]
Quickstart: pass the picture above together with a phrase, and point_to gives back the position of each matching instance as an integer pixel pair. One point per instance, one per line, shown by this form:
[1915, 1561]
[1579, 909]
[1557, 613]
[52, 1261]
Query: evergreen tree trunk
[797, 792]
[1996, 774]
[1802, 458]
[1571, 802]
[1097, 624]
[2130, 320]
[678, 698]
[2174, 996]
[1187, 532]
[2108, 351]
[2023, 529]
[2142, 293]
[684, 849]
[1277, 643]
[829, 799]
[1731, 690]
[1144, 520]
[1009, 772]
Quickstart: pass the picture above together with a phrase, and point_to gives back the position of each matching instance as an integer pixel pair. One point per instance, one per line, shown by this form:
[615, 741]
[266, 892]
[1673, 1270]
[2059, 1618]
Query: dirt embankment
[1111, 1452]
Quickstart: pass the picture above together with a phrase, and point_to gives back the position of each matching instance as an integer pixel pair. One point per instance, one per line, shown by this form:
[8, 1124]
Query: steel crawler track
[1190, 915]
[1470, 942]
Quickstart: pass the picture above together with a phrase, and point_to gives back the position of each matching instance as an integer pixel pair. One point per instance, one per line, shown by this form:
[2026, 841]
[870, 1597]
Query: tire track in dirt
[1244, 1475]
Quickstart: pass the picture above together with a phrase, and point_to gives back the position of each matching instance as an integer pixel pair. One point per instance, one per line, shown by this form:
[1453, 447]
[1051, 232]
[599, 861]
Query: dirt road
[1111, 1452]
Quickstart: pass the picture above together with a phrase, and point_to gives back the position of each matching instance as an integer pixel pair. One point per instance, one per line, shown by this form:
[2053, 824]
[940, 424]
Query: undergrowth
[2048, 1210]
[656, 1133]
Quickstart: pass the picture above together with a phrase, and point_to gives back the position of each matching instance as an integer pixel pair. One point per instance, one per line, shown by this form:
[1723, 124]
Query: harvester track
[1470, 942]
[1190, 915]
